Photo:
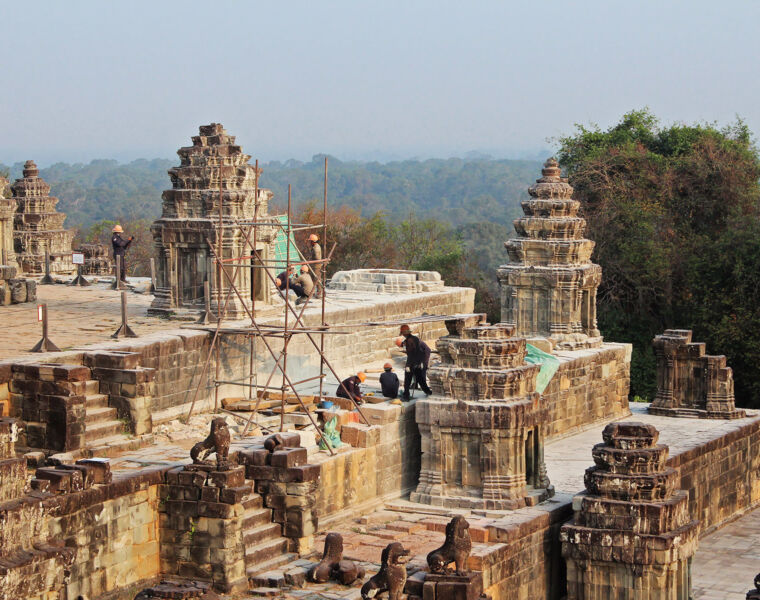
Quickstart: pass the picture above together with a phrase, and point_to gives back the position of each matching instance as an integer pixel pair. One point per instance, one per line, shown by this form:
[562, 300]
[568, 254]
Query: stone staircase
[265, 547]
[105, 434]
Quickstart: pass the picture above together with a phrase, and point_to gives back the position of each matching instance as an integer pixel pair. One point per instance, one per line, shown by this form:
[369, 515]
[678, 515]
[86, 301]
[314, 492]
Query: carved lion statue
[332, 565]
[455, 549]
[218, 441]
[391, 577]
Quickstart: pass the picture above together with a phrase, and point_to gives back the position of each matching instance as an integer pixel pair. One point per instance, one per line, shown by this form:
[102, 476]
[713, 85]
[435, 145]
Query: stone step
[263, 556]
[252, 502]
[267, 579]
[255, 518]
[92, 387]
[99, 415]
[96, 432]
[96, 401]
[257, 535]
[117, 444]
[272, 564]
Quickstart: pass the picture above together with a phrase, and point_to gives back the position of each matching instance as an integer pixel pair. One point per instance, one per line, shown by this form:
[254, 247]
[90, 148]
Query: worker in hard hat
[417, 359]
[351, 387]
[120, 246]
[389, 382]
[281, 281]
[315, 253]
[303, 285]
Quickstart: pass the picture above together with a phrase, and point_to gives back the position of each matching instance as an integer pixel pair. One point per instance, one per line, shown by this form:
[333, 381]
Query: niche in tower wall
[191, 273]
[258, 285]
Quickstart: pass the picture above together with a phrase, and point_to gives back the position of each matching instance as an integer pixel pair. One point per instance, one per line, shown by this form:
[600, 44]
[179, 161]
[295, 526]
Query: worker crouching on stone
[281, 281]
[304, 285]
[351, 387]
[120, 246]
[417, 359]
[389, 382]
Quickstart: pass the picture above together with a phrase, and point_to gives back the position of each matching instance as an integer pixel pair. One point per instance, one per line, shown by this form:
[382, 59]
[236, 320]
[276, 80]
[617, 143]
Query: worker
[389, 381]
[281, 280]
[120, 246]
[315, 253]
[303, 285]
[351, 387]
[417, 359]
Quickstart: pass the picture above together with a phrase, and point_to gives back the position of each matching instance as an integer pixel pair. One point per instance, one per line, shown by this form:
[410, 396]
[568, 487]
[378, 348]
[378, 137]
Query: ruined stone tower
[189, 221]
[38, 227]
[691, 383]
[482, 440]
[7, 212]
[632, 535]
[549, 288]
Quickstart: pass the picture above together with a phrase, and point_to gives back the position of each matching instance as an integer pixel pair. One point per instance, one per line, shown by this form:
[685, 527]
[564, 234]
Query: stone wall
[721, 475]
[383, 463]
[590, 386]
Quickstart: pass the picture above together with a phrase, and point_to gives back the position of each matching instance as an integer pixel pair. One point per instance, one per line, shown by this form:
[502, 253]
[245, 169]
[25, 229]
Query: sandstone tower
[549, 288]
[189, 222]
[7, 212]
[482, 437]
[38, 227]
[632, 535]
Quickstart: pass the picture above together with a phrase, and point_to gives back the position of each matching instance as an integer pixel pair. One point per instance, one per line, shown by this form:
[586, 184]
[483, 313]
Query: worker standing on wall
[352, 385]
[389, 382]
[417, 359]
[315, 253]
[120, 246]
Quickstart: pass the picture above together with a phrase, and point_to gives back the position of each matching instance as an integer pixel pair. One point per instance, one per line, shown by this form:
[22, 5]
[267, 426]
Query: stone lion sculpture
[455, 549]
[332, 565]
[218, 441]
[391, 577]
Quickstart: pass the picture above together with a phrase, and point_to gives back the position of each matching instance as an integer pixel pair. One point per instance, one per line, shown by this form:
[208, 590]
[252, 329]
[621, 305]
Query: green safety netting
[549, 365]
[281, 248]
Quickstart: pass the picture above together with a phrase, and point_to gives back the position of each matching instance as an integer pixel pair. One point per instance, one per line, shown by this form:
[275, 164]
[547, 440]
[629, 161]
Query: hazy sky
[128, 79]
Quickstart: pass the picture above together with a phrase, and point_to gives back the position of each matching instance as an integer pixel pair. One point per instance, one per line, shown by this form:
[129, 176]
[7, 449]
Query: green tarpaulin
[281, 248]
[549, 365]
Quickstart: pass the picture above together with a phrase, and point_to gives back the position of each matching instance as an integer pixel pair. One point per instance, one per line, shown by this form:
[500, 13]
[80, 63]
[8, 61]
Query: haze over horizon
[362, 81]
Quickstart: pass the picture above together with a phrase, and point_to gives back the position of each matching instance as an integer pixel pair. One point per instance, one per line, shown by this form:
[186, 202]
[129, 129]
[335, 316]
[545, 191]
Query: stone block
[289, 457]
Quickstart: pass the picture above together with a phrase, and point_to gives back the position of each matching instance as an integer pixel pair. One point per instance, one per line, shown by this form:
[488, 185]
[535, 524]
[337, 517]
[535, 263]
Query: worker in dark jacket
[389, 381]
[120, 246]
[417, 359]
[282, 279]
[352, 387]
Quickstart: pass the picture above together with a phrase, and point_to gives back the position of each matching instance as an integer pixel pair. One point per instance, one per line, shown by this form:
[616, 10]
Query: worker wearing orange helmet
[389, 382]
[417, 359]
[315, 253]
[350, 387]
[120, 246]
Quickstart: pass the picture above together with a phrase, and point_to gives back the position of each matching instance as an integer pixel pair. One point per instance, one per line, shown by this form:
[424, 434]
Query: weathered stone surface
[97, 259]
[549, 287]
[691, 383]
[188, 224]
[7, 212]
[38, 227]
[631, 533]
[482, 435]
[386, 281]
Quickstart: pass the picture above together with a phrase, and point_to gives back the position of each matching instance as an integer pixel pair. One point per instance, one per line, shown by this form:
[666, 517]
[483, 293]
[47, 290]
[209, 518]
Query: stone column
[631, 536]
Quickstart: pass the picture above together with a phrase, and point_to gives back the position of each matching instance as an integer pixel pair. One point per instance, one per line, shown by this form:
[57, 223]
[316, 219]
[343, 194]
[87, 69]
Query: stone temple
[188, 225]
[110, 489]
[548, 289]
[38, 227]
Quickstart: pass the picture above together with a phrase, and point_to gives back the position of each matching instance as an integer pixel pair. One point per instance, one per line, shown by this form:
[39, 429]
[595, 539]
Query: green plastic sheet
[549, 365]
[281, 246]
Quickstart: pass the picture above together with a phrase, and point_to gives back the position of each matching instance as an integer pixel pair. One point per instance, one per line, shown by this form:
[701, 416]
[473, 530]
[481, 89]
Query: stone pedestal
[549, 288]
[189, 221]
[631, 535]
[445, 586]
[38, 227]
[202, 525]
[691, 383]
[482, 439]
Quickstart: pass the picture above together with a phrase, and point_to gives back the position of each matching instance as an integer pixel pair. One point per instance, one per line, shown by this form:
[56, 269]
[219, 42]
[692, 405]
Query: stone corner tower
[38, 227]
[482, 429]
[631, 535]
[549, 287]
[7, 213]
[189, 222]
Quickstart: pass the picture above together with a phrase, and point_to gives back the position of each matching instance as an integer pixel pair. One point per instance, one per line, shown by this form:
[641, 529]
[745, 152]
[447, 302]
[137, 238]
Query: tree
[654, 199]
